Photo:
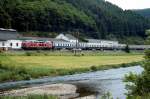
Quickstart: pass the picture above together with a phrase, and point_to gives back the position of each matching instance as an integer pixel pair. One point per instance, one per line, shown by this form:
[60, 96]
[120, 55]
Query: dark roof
[8, 34]
[70, 36]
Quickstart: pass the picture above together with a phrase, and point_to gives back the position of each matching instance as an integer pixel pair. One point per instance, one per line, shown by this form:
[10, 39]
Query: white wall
[15, 44]
[4, 44]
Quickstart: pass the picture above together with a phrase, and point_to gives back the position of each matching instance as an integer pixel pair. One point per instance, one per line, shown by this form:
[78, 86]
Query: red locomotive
[31, 44]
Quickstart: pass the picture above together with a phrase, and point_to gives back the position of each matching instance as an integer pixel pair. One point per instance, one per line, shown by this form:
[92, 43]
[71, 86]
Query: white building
[67, 37]
[9, 39]
[14, 44]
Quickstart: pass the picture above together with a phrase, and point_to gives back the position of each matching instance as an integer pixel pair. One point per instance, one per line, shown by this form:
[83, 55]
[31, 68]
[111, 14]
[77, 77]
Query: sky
[131, 4]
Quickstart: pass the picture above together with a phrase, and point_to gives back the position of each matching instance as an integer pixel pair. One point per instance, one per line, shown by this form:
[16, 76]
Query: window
[17, 44]
[11, 44]
[3, 44]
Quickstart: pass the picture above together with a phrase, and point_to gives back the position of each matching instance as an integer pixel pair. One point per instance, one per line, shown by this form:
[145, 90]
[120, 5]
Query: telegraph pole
[77, 42]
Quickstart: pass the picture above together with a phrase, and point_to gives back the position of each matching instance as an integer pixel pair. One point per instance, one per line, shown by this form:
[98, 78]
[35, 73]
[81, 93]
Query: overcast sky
[131, 4]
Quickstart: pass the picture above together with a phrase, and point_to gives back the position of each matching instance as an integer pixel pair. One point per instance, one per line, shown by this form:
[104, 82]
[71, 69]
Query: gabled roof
[8, 34]
[70, 37]
[93, 40]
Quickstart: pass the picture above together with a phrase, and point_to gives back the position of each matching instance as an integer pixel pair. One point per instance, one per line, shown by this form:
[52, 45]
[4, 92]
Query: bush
[29, 97]
[140, 83]
[94, 68]
[28, 53]
[127, 49]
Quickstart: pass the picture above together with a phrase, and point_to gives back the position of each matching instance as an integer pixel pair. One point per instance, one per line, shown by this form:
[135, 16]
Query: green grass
[70, 62]
[29, 97]
[20, 66]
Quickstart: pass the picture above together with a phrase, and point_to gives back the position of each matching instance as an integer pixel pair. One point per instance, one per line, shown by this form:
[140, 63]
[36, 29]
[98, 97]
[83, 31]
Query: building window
[17, 44]
[11, 44]
[3, 44]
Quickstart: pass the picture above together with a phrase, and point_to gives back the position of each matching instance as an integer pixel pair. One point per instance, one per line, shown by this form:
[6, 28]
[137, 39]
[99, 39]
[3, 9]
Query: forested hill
[93, 18]
[143, 12]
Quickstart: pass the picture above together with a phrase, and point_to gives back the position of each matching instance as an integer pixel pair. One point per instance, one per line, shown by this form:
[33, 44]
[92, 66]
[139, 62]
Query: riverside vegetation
[140, 86]
[29, 97]
[29, 65]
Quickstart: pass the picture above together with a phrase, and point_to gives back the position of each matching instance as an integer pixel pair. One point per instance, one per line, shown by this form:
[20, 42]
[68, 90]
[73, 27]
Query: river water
[97, 83]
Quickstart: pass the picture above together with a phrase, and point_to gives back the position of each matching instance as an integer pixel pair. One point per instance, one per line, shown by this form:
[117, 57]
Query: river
[97, 83]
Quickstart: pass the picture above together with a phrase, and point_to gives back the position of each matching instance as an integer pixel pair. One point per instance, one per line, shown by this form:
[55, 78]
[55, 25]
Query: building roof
[8, 34]
[70, 37]
[93, 40]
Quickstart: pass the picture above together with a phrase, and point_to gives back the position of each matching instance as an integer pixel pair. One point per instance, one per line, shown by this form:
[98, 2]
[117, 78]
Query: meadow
[25, 66]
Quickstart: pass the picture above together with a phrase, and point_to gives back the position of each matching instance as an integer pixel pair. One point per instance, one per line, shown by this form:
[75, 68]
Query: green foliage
[13, 73]
[148, 39]
[140, 83]
[93, 18]
[132, 40]
[146, 96]
[127, 49]
[5, 19]
[29, 97]
[106, 96]
[94, 68]
[143, 12]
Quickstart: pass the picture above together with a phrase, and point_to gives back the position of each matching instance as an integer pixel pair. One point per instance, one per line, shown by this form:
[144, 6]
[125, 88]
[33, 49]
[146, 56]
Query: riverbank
[96, 83]
[23, 67]
[52, 91]
[60, 91]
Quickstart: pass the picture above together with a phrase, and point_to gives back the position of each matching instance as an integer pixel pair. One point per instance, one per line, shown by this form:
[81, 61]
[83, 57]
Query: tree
[5, 20]
[127, 49]
[141, 83]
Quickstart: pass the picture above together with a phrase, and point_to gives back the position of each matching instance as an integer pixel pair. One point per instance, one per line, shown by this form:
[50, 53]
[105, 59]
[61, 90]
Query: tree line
[93, 18]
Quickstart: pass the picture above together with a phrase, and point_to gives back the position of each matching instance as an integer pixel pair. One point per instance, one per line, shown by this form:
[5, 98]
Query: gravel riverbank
[63, 91]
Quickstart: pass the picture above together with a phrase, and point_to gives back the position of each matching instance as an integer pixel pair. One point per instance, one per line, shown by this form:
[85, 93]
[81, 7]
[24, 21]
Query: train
[10, 39]
[35, 45]
[61, 44]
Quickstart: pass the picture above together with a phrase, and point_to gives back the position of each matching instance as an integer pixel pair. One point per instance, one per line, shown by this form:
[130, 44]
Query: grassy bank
[69, 53]
[25, 67]
[29, 97]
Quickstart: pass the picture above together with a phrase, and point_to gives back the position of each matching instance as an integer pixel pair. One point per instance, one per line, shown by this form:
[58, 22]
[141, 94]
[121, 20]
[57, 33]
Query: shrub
[140, 83]
[28, 53]
[94, 68]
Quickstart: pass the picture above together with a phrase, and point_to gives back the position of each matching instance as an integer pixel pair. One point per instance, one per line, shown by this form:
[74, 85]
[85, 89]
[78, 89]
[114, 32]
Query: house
[67, 37]
[9, 39]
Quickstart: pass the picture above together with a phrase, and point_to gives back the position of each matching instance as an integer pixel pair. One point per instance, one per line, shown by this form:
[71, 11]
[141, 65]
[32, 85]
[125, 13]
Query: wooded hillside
[143, 12]
[93, 18]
